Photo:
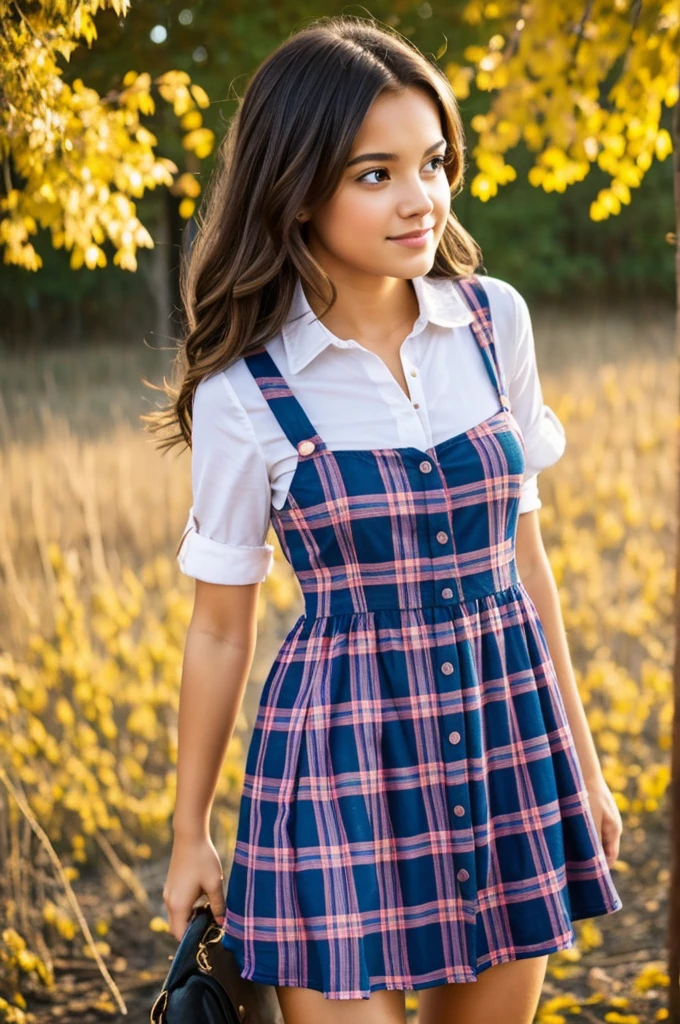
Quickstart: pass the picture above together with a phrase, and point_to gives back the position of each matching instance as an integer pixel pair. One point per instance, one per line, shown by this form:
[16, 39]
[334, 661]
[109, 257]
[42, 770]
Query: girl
[423, 806]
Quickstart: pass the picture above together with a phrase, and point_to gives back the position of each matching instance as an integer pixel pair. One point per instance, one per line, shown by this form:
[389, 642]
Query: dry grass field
[93, 611]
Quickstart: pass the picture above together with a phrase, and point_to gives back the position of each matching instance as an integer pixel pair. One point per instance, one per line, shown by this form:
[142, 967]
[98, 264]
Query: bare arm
[537, 577]
[540, 584]
[218, 655]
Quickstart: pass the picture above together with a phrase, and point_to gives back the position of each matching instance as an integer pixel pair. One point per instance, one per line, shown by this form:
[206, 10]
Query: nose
[416, 200]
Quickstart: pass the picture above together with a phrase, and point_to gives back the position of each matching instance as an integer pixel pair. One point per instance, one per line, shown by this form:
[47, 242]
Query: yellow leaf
[472, 13]
[474, 54]
[663, 144]
[91, 256]
[672, 95]
[187, 185]
[146, 104]
[200, 96]
[621, 191]
[77, 258]
[483, 186]
[192, 119]
[200, 138]
[174, 78]
[145, 137]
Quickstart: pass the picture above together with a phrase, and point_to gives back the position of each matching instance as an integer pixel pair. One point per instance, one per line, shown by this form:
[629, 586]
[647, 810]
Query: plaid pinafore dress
[413, 810]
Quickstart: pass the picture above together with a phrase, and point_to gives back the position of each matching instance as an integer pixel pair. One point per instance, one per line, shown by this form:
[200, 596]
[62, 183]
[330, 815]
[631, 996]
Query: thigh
[507, 992]
[307, 1006]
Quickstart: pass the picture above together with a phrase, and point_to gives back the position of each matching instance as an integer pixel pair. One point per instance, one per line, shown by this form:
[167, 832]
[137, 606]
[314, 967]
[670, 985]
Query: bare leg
[509, 992]
[307, 1006]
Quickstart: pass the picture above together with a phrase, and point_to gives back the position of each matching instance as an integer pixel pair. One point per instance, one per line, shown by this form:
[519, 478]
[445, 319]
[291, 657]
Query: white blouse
[242, 462]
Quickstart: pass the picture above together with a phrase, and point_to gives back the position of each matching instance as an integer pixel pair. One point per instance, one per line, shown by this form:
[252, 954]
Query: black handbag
[204, 984]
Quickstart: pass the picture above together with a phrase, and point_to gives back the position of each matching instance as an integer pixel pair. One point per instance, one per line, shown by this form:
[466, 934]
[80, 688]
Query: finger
[610, 840]
[179, 914]
[179, 919]
[612, 854]
[217, 899]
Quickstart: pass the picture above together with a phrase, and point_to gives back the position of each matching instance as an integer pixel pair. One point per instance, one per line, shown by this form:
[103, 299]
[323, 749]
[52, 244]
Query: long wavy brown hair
[284, 153]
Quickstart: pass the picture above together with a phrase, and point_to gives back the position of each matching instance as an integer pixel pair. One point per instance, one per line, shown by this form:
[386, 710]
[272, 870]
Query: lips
[413, 234]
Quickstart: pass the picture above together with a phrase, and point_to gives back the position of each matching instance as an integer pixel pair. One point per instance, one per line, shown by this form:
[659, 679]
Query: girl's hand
[607, 817]
[194, 870]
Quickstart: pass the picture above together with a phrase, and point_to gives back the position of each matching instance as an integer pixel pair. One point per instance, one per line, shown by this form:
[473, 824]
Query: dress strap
[292, 418]
[482, 329]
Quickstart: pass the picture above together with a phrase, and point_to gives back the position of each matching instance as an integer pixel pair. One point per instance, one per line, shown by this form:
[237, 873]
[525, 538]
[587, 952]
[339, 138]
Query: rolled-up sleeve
[224, 540]
[544, 435]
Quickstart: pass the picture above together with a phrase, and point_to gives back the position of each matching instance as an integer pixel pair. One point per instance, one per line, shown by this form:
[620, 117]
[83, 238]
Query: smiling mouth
[411, 234]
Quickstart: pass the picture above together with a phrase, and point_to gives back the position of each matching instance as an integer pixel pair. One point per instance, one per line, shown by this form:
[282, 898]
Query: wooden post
[674, 789]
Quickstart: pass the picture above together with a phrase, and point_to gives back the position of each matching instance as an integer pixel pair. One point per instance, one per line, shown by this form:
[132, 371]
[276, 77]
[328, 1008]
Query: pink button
[462, 875]
[306, 447]
[459, 810]
[454, 737]
[442, 537]
[447, 668]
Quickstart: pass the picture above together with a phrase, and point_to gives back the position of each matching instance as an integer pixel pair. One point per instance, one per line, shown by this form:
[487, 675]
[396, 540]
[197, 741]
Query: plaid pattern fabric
[413, 810]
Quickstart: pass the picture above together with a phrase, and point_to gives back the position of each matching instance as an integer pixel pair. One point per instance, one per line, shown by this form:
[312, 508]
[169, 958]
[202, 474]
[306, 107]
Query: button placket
[425, 466]
[416, 394]
[447, 667]
[458, 809]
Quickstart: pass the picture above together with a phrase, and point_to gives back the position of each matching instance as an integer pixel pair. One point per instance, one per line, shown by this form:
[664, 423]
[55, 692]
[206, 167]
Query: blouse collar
[439, 302]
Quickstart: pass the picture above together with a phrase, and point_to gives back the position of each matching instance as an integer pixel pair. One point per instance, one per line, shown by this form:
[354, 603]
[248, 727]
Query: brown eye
[378, 170]
[382, 170]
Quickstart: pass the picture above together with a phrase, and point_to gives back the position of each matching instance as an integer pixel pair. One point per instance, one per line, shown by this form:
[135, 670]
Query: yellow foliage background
[96, 613]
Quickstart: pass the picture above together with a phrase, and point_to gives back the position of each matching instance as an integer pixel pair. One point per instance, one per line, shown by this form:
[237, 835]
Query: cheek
[350, 212]
[441, 197]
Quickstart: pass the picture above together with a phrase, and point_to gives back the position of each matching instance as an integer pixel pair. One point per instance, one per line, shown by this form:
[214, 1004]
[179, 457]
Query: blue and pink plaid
[413, 810]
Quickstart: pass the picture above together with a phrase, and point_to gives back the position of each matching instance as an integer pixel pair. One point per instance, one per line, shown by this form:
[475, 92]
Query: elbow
[227, 613]
[535, 573]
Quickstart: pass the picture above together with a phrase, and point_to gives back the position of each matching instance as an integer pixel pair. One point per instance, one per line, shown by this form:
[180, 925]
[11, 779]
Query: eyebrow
[389, 156]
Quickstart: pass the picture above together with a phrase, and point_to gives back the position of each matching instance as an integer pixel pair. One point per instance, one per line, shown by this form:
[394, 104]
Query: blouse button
[447, 668]
[442, 537]
[414, 373]
[462, 875]
[306, 447]
[454, 737]
[425, 467]
[416, 406]
[459, 810]
[447, 592]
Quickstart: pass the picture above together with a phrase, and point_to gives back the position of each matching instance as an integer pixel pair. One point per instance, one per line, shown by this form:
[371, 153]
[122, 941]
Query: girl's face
[393, 184]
